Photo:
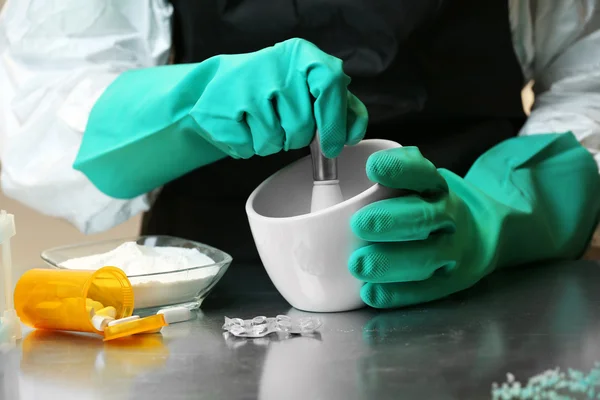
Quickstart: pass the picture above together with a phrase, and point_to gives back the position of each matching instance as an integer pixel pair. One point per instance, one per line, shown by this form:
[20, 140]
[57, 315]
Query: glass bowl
[155, 291]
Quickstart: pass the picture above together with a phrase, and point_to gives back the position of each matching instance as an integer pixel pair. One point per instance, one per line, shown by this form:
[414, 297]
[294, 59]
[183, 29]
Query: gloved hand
[153, 125]
[527, 199]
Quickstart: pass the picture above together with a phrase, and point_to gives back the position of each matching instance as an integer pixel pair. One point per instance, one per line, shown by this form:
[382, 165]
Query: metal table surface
[523, 321]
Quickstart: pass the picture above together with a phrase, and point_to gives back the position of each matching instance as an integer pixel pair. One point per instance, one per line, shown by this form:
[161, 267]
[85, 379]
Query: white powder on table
[155, 290]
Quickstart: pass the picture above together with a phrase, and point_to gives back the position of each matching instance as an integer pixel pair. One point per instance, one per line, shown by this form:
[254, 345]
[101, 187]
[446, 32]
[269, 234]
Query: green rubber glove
[527, 199]
[153, 125]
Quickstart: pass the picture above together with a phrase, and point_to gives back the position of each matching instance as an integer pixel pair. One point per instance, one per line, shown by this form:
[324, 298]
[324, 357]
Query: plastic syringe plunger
[10, 320]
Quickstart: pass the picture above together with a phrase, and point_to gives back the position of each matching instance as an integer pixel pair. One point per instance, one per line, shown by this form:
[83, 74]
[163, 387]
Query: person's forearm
[549, 185]
[46, 94]
[154, 125]
[140, 134]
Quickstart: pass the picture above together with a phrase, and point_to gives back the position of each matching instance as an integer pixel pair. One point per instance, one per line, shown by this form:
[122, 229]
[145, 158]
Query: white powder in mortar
[155, 290]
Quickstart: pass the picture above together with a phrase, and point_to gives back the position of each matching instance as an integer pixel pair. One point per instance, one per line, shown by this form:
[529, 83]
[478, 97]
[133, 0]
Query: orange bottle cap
[149, 324]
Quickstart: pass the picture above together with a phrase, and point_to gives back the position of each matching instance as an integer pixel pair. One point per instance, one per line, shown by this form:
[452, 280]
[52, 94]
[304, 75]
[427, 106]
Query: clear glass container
[152, 292]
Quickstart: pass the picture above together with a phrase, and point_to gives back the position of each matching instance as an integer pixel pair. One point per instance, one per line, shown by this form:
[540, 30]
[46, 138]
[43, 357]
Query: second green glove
[527, 199]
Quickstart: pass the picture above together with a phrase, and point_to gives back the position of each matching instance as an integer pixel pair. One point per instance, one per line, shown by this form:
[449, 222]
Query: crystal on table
[259, 320]
[308, 325]
[261, 326]
[283, 322]
[237, 330]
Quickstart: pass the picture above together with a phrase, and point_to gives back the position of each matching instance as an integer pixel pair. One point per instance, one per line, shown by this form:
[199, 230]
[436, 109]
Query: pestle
[326, 186]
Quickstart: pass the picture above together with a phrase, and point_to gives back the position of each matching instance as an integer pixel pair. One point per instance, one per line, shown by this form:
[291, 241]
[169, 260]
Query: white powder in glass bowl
[175, 285]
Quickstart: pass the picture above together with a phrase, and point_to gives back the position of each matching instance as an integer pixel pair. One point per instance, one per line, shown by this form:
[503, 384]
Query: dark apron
[441, 75]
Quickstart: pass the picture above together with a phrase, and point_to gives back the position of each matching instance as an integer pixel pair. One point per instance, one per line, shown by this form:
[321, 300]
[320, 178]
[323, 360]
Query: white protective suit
[57, 56]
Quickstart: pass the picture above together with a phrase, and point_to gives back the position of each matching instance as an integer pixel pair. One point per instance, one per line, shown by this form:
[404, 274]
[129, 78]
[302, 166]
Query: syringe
[11, 325]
